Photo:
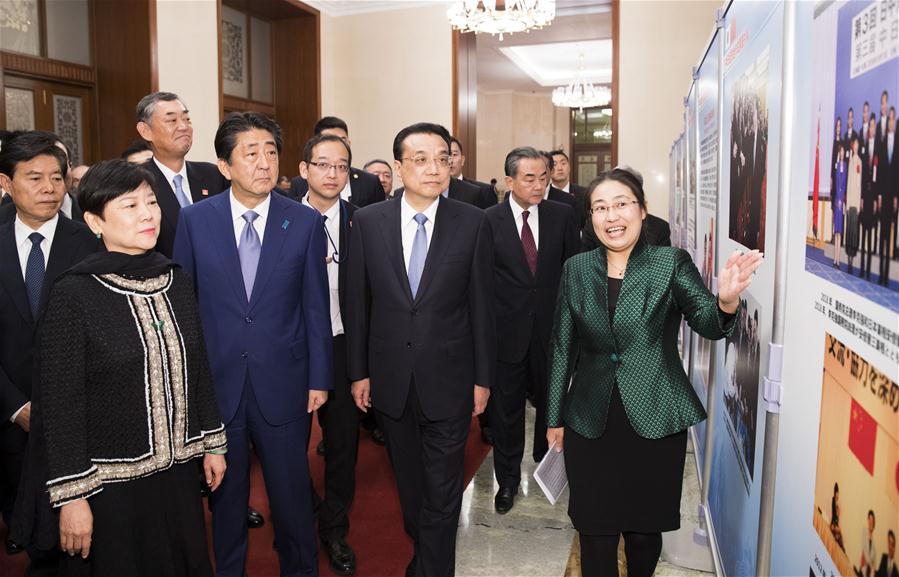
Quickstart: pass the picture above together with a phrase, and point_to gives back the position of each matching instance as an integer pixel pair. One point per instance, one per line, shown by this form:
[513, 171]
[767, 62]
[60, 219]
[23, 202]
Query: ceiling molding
[338, 8]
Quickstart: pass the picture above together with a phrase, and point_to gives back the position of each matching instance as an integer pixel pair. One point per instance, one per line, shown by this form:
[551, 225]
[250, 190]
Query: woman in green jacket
[625, 414]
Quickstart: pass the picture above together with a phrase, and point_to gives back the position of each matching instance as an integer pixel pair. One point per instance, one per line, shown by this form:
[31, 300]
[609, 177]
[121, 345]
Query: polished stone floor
[537, 539]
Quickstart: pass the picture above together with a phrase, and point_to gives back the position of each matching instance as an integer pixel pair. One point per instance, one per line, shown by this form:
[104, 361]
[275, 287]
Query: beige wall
[510, 119]
[385, 70]
[660, 41]
[191, 26]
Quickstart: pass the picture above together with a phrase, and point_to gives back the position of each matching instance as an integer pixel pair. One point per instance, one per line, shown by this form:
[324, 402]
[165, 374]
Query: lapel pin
[355, 175]
[205, 192]
[158, 325]
[285, 224]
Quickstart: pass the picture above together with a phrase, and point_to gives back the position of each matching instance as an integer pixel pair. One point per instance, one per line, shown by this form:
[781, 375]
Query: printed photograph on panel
[741, 384]
[856, 512]
[748, 155]
[853, 189]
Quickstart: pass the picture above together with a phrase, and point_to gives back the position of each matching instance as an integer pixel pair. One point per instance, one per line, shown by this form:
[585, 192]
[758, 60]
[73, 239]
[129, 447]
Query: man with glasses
[325, 167]
[421, 336]
[457, 188]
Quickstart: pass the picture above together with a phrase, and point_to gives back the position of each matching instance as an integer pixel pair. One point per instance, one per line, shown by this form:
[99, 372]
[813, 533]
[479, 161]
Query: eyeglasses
[326, 167]
[420, 161]
[619, 207]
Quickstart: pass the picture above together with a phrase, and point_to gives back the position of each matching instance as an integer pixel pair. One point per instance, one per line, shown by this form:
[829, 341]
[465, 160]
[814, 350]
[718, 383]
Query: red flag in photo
[862, 436]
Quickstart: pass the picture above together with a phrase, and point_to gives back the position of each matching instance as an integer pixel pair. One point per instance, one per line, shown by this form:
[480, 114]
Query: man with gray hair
[163, 121]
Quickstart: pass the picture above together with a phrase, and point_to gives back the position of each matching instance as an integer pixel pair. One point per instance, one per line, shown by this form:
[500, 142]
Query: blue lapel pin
[285, 224]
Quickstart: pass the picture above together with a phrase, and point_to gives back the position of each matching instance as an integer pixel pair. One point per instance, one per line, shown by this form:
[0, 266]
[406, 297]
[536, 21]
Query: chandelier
[580, 93]
[513, 15]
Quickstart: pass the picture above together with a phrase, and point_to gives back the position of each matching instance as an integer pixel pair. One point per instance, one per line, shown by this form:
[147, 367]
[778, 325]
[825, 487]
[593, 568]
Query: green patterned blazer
[639, 351]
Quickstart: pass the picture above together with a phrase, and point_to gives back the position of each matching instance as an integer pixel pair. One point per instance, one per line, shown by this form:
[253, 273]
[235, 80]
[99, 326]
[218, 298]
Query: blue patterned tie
[179, 191]
[419, 253]
[34, 272]
[249, 249]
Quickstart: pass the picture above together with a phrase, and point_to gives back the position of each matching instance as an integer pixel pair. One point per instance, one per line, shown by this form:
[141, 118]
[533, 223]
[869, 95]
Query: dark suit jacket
[458, 190]
[656, 232]
[882, 569]
[365, 188]
[72, 242]
[524, 303]
[347, 211]
[444, 338]
[637, 350]
[281, 337]
[580, 196]
[487, 197]
[204, 180]
[888, 181]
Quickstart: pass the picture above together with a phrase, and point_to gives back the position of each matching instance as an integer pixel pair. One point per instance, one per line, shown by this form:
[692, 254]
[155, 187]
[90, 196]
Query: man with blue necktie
[256, 260]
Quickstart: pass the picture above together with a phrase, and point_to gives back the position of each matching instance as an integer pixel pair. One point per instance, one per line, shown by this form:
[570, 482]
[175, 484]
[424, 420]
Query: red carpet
[376, 524]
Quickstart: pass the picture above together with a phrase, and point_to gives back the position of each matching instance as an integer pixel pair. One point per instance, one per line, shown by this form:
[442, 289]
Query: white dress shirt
[170, 177]
[23, 244]
[347, 190]
[238, 210]
[533, 220]
[67, 204]
[332, 226]
[408, 226]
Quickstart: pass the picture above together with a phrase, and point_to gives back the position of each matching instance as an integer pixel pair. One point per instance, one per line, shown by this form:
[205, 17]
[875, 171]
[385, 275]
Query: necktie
[34, 272]
[249, 249]
[179, 191]
[527, 242]
[419, 253]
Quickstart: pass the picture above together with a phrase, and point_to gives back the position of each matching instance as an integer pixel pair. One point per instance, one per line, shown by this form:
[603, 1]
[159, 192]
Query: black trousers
[427, 459]
[884, 246]
[507, 408]
[866, 246]
[339, 419]
[13, 446]
[599, 554]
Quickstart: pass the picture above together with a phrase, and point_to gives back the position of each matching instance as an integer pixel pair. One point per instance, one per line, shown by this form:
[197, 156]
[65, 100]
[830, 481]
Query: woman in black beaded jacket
[126, 397]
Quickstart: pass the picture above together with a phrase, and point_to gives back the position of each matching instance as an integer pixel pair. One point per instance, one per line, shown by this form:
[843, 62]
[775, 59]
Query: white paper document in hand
[550, 474]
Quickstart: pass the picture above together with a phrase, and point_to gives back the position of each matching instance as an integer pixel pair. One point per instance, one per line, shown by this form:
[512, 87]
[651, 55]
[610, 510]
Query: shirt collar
[47, 230]
[332, 213]
[238, 210]
[170, 174]
[517, 210]
[407, 213]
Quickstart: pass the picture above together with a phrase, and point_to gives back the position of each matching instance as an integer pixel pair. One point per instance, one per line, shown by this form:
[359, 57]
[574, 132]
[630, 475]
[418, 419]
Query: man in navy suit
[256, 260]
[422, 338]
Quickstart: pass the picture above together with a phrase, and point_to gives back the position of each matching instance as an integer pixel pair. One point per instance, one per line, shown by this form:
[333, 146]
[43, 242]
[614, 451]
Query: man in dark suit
[553, 193]
[36, 246]
[262, 288]
[881, 130]
[326, 162]
[869, 154]
[164, 122]
[561, 179]
[422, 343]
[362, 189]
[888, 567]
[888, 198]
[532, 239]
[487, 194]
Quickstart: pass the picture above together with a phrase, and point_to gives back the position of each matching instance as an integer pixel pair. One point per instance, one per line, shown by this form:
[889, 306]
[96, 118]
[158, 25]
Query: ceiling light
[515, 16]
[581, 94]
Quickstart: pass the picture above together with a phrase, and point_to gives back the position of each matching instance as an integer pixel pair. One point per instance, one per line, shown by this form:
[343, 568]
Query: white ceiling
[540, 59]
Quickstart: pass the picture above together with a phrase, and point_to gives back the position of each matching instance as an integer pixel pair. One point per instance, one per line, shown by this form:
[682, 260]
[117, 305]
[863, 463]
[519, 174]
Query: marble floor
[537, 539]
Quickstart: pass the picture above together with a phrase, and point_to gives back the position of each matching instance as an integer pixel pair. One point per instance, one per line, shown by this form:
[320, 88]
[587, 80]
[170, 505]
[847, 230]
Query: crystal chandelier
[581, 94]
[513, 16]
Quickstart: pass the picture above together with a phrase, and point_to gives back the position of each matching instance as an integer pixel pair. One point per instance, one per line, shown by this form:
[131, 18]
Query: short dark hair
[871, 515]
[550, 163]
[376, 161]
[27, 146]
[516, 155]
[623, 176]
[326, 122]
[559, 151]
[453, 139]
[866, 104]
[851, 110]
[237, 122]
[885, 93]
[891, 535]
[108, 180]
[418, 128]
[138, 145]
[147, 104]
[318, 139]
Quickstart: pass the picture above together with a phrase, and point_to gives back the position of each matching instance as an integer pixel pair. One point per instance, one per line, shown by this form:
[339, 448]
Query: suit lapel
[444, 230]
[343, 245]
[165, 196]
[12, 278]
[510, 230]
[62, 252]
[391, 229]
[197, 184]
[276, 227]
[545, 224]
[221, 228]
